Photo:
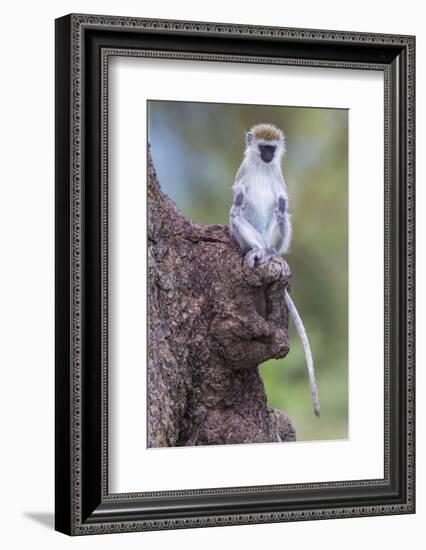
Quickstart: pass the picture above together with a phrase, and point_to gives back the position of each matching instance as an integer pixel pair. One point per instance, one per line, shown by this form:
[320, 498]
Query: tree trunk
[212, 321]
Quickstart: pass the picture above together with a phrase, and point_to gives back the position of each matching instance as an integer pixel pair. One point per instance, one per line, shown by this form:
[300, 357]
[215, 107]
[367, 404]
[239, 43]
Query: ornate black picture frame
[83, 45]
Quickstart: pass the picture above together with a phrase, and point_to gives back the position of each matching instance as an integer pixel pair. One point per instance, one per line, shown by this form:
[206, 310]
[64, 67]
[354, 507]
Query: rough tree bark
[212, 321]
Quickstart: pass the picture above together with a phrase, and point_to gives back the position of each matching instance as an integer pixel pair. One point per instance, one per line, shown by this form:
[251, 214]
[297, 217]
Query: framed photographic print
[234, 274]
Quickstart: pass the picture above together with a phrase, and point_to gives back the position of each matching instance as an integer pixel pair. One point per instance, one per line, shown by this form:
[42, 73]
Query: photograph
[247, 273]
[234, 267]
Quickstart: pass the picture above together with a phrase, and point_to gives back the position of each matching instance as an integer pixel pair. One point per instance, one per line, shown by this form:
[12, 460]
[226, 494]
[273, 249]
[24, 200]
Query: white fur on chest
[262, 191]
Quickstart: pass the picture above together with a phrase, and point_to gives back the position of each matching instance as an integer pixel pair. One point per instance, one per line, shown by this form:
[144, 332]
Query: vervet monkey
[259, 218]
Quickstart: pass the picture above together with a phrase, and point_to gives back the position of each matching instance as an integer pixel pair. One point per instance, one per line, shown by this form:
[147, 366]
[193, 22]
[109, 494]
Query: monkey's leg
[249, 240]
[243, 231]
[279, 232]
[259, 256]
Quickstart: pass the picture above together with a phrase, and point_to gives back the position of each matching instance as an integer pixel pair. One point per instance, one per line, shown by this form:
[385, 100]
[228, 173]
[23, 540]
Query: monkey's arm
[244, 232]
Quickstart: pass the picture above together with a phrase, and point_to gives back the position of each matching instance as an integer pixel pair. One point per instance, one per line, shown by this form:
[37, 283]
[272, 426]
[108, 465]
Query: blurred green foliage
[197, 149]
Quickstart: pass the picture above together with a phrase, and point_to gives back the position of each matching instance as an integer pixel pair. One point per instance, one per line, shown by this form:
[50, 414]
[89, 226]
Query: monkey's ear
[249, 138]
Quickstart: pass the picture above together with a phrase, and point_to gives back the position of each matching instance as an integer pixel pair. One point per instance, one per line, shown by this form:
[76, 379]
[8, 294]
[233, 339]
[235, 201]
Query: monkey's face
[267, 152]
[265, 143]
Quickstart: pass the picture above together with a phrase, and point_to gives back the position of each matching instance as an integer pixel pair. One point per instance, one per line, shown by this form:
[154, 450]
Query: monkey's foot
[259, 256]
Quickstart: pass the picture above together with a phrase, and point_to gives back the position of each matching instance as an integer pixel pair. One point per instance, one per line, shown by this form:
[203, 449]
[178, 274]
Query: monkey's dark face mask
[267, 152]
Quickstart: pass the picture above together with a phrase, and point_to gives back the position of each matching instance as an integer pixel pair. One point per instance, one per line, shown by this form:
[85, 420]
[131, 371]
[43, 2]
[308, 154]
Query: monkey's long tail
[294, 314]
